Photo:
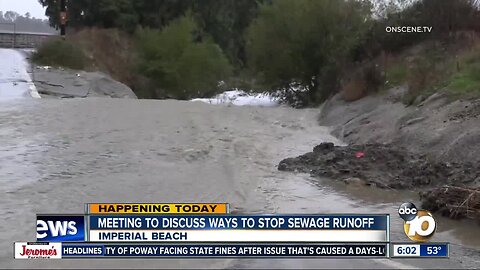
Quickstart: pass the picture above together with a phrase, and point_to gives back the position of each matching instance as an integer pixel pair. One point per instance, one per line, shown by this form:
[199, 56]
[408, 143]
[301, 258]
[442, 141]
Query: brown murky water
[56, 155]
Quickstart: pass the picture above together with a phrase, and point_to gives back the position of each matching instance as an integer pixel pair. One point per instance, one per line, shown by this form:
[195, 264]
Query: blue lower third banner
[434, 250]
[90, 250]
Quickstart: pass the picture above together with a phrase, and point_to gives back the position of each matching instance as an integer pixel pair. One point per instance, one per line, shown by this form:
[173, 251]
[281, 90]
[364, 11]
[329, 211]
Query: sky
[24, 6]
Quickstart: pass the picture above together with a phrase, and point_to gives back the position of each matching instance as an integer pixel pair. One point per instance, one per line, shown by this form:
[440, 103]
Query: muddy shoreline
[431, 148]
[383, 166]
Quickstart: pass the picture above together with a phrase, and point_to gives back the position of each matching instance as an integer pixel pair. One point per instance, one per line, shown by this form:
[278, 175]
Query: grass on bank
[467, 81]
[60, 53]
[395, 75]
[436, 67]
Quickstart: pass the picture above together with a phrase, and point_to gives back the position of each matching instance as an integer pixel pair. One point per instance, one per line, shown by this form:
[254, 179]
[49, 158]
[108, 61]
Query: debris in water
[453, 201]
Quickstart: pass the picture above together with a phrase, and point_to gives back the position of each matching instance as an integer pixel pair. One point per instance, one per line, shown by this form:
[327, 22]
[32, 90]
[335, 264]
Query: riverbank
[64, 83]
[430, 147]
[57, 82]
[442, 129]
[381, 165]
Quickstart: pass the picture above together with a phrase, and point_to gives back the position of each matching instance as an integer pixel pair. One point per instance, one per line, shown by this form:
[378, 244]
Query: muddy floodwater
[56, 155]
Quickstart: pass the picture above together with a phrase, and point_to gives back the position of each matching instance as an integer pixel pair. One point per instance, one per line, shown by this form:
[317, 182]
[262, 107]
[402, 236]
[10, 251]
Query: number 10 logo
[419, 225]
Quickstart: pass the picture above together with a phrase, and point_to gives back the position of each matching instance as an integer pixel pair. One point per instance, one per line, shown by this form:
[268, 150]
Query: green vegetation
[465, 84]
[436, 67]
[305, 42]
[60, 53]
[182, 67]
[467, 81]
[396, 75]
[223, 20]
[184, 48]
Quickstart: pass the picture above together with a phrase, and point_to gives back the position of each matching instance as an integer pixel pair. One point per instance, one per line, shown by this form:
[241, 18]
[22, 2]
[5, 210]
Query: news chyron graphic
[419, 225]
[203, 230]
[210, 230]
[60, 228]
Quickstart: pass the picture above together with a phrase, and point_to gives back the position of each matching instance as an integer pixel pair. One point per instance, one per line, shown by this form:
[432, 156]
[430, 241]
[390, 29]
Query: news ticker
[56, 250]
[190, 228]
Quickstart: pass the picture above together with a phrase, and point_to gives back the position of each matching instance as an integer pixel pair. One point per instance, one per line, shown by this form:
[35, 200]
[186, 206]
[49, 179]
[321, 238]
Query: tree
[305, 42]
[11, 16]
[180, 64]
[226, 21]
[159, 13]
[124, 14]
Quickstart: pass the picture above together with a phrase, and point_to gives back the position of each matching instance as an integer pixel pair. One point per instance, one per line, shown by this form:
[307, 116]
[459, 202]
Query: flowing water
[56, 155]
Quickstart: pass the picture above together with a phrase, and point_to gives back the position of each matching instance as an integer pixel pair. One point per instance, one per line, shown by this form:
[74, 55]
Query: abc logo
[419, 225]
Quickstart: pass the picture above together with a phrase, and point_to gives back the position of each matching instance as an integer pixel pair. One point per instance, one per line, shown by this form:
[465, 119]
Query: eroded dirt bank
[441, 129]
[433, 146]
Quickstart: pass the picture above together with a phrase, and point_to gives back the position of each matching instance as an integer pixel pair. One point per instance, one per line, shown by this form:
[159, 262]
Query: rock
[324, 146]
[282, 166]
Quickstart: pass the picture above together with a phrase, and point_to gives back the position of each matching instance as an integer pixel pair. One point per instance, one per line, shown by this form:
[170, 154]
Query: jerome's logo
[43, 250]
[60, 228]
[419, 225]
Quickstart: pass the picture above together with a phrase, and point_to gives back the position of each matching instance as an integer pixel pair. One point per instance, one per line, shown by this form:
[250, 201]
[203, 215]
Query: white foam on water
[241, 98]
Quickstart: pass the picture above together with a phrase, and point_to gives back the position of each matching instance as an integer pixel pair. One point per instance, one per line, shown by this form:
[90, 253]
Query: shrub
[305, 42]
[180, 64]
[60, 53]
